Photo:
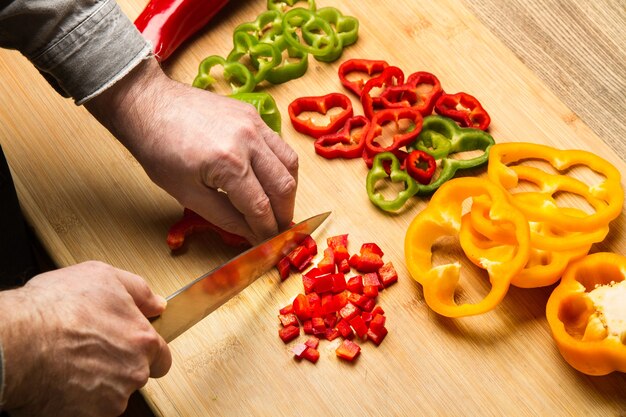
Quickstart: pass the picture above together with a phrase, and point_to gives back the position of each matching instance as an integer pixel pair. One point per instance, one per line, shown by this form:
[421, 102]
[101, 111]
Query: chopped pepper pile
[422, 153]
[334, 304]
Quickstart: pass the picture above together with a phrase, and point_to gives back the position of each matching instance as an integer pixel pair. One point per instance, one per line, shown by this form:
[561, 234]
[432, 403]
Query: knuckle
[261, 207]
[286, 186]
[291, 161]
[139, 376]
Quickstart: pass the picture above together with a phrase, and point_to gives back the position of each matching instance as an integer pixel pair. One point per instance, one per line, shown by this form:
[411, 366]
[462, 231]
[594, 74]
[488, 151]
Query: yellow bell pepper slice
[587, 314]
[606, 198]
[442, 217]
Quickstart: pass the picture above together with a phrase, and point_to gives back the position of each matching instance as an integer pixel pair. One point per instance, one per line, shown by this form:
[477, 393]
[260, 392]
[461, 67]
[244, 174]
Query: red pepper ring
[464, 109]
[367, 66]
[413, 93]
[345, 143]
[389, 77]
[399, 139]
[421, 166]
[398, 153]
[320, 104]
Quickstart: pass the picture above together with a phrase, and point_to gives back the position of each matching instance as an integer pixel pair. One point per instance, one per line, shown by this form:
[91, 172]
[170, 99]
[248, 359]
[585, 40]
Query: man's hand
[77, 342]
[212, 153]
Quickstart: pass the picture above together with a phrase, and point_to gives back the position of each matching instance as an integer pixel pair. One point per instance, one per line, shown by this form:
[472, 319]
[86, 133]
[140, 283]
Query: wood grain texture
[577, 48]
[87, 198]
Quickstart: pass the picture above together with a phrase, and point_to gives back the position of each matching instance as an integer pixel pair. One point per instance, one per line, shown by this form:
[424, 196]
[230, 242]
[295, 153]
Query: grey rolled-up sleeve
[80, 46]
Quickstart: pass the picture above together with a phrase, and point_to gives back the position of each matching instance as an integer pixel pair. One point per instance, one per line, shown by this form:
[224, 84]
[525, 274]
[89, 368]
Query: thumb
[149, 303]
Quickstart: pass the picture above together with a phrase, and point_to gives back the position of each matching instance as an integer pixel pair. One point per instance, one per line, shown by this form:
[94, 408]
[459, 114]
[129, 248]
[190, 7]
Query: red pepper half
[464, 109]
[320, 104]
[421, 90]
[421, 166]
[168, 23]
[389, 77]
[347, 143]
[399, 139]
[370, 67]
[192, 222]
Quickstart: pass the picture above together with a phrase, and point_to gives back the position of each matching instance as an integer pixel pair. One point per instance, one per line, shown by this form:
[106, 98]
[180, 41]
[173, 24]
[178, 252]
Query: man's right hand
[77, 342]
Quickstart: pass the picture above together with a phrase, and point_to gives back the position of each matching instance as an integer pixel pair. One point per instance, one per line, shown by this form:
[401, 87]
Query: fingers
[149, 304]
[161, 361]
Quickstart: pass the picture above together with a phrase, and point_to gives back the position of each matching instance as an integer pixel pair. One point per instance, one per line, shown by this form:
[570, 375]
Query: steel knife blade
[205, 294]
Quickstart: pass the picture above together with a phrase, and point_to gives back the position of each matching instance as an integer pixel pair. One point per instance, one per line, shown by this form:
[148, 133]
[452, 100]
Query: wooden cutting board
[88, 199]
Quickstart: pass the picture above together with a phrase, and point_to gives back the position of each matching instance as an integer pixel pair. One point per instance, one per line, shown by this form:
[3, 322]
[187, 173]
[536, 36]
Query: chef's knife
[198, 299]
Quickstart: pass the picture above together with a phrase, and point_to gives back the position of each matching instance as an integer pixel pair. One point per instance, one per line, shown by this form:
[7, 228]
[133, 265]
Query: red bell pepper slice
[401, 139]
[464, 109]
[300, 257]
[388, 275]
[421, 91]
[367, 66]
[192, 222]
[421, 166]
[368, 157]
[348, 350]
[389, 77]
[320, 104]
[287, 334]
[347, 143]
[168, 23]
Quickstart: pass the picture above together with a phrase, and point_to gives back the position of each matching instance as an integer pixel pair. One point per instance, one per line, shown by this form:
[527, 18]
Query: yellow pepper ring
[442, 217]
[607, 198]
[586, 314]
[543, 235]
[543, 268]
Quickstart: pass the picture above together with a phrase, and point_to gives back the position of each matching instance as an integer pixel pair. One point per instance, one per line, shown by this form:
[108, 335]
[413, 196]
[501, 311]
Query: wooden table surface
[548, 72]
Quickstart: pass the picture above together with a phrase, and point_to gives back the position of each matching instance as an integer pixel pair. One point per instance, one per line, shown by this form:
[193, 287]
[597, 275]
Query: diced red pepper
[328, 304]
[378, 310]
[388, 274]
[369, 304]
[323, 283]
[371, 279]
[302, 307]
[348, 350]
[370, 291]
[192, 222]
[344, 266]
[358, 300]
[300, 257]
[307, 327]
[332, 334]
[299, 349]
[330, 319]
[327, 264]
[378, 322]
[349, 311]
[310, 244]
[377, 336]
[344, 328]
[314, 273]
[339, 246]
[341, 299]
[287, 334]
[283, 266]
[359, 326]
[288, 320]
[355, 284]
[319, 326]
[339, 283]
[312, 342]
[311, 354]
[367, 317]
[308, 283]
[286, 310]
[315, 303]
[372, 247]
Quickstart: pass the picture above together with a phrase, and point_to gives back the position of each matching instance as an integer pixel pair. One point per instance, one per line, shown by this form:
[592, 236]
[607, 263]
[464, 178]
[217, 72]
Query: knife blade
[205, 294]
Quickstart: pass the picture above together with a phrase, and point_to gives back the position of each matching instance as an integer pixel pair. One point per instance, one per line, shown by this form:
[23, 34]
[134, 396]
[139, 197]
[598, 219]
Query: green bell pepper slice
[396, 174]
[266, 55]
[346, 29]
[232, 70]
[265, 105]
[293, 66]
[318, 36]
[283, 5]
[267, 27]
[441, 137]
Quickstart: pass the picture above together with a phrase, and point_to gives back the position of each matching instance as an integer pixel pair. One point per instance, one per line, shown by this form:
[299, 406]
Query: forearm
[81, 46]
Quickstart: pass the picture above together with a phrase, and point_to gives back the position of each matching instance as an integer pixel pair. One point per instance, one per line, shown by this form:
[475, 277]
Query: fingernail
[162, 302]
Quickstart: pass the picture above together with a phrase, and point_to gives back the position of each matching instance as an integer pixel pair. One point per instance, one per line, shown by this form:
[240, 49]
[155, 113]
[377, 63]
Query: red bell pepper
[421, 166]
[327, 264]
[288, 320]
[359, 326]
[348, 350]
[302, 307]
[376, 336]
[369, 260]
[378, 322]
[370, 67]
[389, 77]
[320, 104]
[283, 267]
[399, 139]
[168, 23]
[287, 334]
[312, 342]
[192, 222]
[388, 275]
[347, 143]
[349, 311]
[368, 157]
[464, 109]
[355, 284]
[339, 245]
[421, 91]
